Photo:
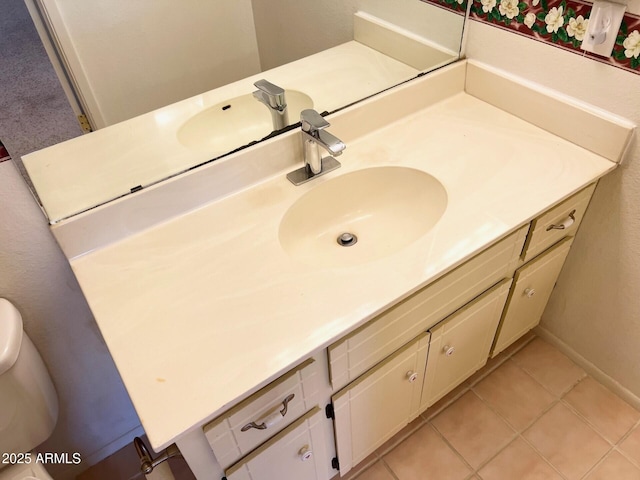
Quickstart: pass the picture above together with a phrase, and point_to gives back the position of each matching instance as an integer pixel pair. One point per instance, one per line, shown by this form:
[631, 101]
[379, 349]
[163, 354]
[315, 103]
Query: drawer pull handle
[412, 376]
[566, 223]
[448, 350]
[529, 292]
[271, 418]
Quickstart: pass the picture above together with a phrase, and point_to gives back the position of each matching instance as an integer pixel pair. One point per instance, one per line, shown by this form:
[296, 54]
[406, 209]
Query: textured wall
[96, 415]
[595, 308]
[95, 410]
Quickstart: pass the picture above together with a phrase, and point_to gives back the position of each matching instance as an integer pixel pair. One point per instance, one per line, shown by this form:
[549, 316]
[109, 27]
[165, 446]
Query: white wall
[133, 57]
[305, 28]
[595, 308]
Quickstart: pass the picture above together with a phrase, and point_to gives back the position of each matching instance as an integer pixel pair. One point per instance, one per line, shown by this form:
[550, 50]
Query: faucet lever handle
[312, 121]
[268, 87]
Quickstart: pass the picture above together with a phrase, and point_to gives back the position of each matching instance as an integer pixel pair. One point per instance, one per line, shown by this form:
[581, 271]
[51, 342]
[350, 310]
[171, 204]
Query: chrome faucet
[273, 97]
[315, 137]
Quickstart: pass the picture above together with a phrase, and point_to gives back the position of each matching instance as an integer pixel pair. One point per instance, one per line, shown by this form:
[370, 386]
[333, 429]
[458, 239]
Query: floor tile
[631, 446]
[518, 461]
[611, 416]
[473, 429]
[400, 436]
[425, 456]
[615, 467]
[554, 370]
[359, 468]
[445, 401]
[567, 442]
[496, 361]
[514, 394]
[377, 471]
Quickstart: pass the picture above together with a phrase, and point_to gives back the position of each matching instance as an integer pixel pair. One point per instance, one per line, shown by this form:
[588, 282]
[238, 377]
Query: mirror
[126, 60]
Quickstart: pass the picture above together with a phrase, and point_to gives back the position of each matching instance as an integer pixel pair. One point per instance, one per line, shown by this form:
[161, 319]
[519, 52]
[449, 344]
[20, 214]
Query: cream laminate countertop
[204, 308]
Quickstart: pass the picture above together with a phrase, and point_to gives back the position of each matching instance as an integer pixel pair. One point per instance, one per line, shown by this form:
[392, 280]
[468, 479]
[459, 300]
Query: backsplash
[561, 23]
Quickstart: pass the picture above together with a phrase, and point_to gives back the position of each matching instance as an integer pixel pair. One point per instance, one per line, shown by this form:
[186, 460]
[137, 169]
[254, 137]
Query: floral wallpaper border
[561, 23]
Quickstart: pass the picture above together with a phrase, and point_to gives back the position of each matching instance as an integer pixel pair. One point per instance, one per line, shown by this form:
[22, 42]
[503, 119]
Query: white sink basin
[385, 208]
[233, 123]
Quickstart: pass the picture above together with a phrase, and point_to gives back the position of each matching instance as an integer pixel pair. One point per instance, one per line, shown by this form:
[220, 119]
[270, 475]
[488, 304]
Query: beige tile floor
[530, 414]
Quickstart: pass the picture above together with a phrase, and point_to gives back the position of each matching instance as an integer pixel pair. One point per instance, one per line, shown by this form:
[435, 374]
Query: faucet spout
[313, 142]
[273, 97]
[315, 139]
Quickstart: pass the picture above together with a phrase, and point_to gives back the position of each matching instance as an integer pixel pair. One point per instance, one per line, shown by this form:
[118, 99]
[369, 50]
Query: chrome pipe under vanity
[273, 97]
[315, 138]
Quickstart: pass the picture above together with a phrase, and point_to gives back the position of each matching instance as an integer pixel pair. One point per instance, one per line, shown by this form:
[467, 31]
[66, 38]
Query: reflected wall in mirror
[125, 59]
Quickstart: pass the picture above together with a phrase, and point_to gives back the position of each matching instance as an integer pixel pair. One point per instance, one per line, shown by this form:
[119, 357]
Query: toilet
[29, 402]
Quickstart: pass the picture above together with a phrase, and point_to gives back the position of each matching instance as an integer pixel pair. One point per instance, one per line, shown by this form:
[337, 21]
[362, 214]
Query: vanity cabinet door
[296, 453]
[531, 290]
[380, 403]
[460, 344]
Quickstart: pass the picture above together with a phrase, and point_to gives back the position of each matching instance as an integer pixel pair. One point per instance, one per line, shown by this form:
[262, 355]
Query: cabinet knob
[529, 292]
[412, 376]
[448, 350]
[305, 453]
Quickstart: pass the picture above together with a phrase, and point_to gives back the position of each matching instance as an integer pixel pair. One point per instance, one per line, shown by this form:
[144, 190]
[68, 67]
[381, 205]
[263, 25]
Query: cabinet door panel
[533, 284]
[379, 404]
[296, 453]
[461, 343]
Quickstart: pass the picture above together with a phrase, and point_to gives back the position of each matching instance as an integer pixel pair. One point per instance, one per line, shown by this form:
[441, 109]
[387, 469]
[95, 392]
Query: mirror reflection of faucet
[314, 137]
[273, 97]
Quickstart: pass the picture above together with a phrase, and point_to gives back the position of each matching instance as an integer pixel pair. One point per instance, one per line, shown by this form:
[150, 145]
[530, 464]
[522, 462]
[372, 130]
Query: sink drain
[347, 239]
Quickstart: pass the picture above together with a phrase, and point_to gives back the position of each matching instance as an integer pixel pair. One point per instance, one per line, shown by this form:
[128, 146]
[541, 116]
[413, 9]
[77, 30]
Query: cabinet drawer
[460, 345]
[379, 403]
[369, 344]
[297, 389]
[546, 229]
[532, 287]
[295, 453]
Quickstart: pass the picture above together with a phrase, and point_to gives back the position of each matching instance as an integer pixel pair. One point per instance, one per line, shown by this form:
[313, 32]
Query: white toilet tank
[29, 402]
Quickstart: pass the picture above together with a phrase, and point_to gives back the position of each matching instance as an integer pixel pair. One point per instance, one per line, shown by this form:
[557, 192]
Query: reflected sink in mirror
[225, 126]
[384, 208]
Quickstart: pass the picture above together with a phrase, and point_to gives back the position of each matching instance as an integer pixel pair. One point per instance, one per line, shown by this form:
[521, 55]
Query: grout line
[625, 437]
[385, 465]
[598, 463]
[544, 459]
[585, 420]
[451, 447]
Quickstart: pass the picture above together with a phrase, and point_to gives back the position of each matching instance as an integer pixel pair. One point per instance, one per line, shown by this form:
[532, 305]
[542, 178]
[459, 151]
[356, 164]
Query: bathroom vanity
[245, 334]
